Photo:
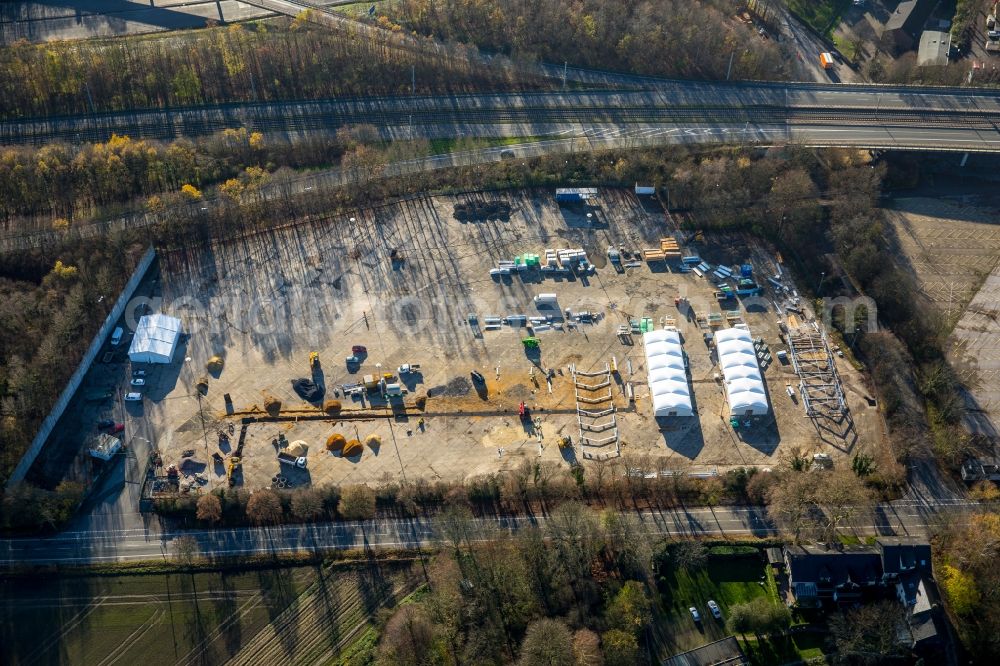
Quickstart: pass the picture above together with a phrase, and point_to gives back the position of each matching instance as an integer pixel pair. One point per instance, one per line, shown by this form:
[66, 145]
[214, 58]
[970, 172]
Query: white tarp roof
[668, 383]
[155, 339]
[741, 373]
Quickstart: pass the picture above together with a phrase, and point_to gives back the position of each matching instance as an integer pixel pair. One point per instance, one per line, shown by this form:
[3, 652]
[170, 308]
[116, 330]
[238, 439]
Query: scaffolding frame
[819, 384]
[593, 410]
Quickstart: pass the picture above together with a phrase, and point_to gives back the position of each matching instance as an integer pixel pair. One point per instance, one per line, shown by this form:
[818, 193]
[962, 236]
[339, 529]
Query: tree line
[258, 62]
[673, 38]
[70, 183]
[49, 311]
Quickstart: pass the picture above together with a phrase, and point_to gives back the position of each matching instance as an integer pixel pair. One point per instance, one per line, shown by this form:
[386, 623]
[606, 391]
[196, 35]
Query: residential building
[902, 30]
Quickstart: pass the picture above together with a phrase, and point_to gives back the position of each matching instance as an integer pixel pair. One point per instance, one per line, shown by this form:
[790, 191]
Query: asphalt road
[904, 517]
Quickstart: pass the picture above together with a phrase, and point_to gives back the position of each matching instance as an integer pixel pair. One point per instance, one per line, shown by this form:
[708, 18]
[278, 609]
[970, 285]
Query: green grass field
[822, 15]
[288, 615]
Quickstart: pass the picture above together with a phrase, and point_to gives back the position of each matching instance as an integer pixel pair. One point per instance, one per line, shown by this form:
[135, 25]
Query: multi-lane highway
[903, 517]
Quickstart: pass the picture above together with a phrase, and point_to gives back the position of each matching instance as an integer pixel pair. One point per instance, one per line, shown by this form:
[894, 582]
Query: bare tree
[357, 503]
[587, 649]
[547, 642]
[209, 508]
[790, 502]
[454, 523]
[844, 499]
[185, 549]
[868, 634]
[307, 504]
[407, 638]
[264, 507]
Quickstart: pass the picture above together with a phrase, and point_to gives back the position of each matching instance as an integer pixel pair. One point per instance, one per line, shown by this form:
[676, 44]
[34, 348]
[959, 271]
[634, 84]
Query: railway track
[167, 125]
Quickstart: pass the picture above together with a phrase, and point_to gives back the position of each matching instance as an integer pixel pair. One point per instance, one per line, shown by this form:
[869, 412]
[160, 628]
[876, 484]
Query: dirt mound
[308, 390]
[456, 388]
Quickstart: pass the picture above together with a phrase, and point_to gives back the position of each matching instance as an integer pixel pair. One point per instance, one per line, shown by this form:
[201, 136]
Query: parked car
[138, 381]
[104, 424]
[133, 397]
[694, 614]
[507, 154]
[359, 350]
[117, 428]
[116, 336]
[714, 608]
[138, 373]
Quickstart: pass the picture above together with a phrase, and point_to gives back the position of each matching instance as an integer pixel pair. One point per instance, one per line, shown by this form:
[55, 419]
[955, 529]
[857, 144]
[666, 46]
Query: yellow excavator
[234, 464]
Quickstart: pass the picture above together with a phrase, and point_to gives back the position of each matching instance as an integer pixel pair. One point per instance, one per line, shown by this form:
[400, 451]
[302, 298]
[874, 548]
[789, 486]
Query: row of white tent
[668, 382]
[741, 373]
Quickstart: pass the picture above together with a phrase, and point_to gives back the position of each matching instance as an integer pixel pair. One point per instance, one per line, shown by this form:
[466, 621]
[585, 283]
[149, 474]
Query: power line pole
[565, 64]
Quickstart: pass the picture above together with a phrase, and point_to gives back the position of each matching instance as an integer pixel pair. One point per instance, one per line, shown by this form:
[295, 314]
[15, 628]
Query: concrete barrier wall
[81, 371]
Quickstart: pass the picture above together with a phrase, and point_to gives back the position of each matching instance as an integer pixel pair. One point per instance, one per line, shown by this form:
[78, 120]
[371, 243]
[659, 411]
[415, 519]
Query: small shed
[155, 339]
[775, 558]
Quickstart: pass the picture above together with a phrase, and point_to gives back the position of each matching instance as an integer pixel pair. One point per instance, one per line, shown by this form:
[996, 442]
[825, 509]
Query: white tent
[744, 384]
[668, 384]
[155, 339]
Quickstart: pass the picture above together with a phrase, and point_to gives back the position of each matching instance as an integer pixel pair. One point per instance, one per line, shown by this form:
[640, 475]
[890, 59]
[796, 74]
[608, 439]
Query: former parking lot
[402, 280]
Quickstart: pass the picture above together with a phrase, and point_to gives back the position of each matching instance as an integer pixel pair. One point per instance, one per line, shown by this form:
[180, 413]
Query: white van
[116, 336]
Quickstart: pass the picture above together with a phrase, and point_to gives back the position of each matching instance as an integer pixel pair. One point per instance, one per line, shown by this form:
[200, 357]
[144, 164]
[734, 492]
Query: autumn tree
[620, 648]
[631, 609]
[264, 507]
[960, 590]
[209, 508]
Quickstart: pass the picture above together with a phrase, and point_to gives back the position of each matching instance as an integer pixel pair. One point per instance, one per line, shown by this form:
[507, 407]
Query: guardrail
[81, 371]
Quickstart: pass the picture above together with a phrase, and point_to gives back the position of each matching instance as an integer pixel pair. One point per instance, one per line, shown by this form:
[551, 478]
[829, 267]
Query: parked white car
[138, 381]
[714, 608]
[133, 397]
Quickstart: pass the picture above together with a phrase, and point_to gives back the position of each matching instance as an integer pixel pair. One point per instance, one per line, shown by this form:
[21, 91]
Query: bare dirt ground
[952, 247]
[264, 302]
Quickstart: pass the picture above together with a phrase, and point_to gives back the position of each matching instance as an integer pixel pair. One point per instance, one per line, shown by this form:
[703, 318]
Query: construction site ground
[267, 300]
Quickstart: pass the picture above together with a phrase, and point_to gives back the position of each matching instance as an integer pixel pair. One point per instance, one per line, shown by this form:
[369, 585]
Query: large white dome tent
[155, 339]
[741, 373]
[668, 385]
